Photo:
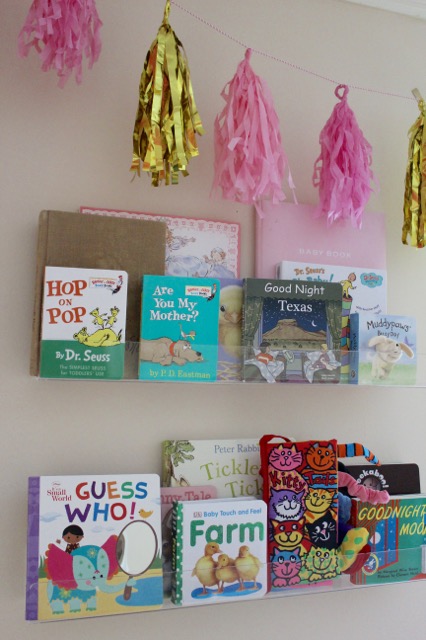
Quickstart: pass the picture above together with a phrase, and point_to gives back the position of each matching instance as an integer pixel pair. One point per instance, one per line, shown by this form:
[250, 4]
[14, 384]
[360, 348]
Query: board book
[231, 466]
[219, 551]
[395, 478]
[230, 330]
[300, 489]
[383, 349]
[397, 537]
[195, 247]
[179, 331]
[83, 323]
[69, 239]
[291, 331]
[168, 496]
[93, 546]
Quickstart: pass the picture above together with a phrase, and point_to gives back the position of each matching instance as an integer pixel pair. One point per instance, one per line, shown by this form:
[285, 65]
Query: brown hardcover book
[68, 239]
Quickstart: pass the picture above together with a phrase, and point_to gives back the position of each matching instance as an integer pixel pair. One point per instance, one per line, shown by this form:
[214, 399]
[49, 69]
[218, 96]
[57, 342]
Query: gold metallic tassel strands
[167, 118]
[415, 181]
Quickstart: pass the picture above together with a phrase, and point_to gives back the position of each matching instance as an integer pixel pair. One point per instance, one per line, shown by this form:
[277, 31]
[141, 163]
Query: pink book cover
[194, 247]
[290, 231]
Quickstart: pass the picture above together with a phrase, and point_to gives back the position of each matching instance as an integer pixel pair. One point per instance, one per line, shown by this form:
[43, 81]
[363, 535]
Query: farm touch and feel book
[94, 546]
[291, 331]
[397, 537]
[219, 551]
[83, 323]
[231, 466]
[180, 326]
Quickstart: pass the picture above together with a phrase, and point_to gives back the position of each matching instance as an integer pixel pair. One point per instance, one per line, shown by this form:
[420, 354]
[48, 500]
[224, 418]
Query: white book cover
[219, 551]
[83, 323]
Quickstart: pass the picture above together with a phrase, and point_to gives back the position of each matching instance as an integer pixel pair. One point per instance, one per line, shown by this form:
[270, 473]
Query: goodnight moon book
[83, 323]
[93, 546]
[179, 329]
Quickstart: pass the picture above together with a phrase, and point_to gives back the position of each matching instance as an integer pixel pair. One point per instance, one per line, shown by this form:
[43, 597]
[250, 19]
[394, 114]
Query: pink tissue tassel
[249, 159]
[342, 170]
[62, 31]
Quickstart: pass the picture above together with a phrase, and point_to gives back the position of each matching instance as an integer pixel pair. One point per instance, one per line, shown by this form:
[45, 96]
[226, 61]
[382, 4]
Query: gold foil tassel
[415, 181]
[167, 118]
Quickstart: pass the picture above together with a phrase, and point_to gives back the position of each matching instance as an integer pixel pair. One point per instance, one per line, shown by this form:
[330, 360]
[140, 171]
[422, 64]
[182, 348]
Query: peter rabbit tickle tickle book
[383, 349]
[180, 326]
[94, 546]
[291, 331]
[397, 537]
[219, 551]
[231, 466]
[194, 247]
[83, 323]
[300, 489]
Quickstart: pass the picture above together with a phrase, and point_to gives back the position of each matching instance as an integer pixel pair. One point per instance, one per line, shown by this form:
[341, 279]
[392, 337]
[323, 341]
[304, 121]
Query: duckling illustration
[248, 566]
[226, 571]
[186, 336]
[145, 514]
[205, 567]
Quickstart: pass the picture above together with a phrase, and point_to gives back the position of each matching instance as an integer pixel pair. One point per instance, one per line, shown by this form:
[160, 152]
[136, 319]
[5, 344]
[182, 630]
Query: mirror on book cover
[137, 547]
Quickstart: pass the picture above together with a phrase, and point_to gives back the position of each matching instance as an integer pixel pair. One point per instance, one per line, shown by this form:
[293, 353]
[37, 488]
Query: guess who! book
[291, 331]
[83, 323]
[94, 546]
[219, 551]
[300, 489]
[397, 537]
[180, 326]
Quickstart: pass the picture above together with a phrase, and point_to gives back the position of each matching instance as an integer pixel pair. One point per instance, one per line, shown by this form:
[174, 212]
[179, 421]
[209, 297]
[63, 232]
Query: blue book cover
[179, 329]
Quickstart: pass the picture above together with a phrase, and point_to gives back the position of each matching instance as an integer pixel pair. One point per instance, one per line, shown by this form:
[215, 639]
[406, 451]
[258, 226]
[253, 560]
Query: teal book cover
[179, 329]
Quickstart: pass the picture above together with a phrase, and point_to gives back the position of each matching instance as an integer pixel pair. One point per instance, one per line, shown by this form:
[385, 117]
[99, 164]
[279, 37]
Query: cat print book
[300, 489]
[180, 327]
[83, 323]
[219, 551]
[93, 546]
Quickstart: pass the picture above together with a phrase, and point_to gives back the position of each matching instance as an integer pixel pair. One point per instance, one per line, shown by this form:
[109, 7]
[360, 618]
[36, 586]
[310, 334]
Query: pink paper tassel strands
[62, 32]
[342, 172]
[250, 162]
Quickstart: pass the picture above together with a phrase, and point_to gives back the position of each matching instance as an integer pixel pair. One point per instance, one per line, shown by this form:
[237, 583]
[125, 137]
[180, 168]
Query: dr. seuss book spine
[85, 536]
[219, 551]
[179, 330]
[83, 323]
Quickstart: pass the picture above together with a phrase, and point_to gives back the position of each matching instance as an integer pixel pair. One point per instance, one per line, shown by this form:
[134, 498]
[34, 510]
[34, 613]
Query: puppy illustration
[388, 352]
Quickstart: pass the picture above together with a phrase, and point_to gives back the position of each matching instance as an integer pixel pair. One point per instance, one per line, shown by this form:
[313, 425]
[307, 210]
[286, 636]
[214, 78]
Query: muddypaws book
[94, 546]
[219, 551]
[83, 323]
[231, 466]
[291, 331]
[397, 537]
[179, 332]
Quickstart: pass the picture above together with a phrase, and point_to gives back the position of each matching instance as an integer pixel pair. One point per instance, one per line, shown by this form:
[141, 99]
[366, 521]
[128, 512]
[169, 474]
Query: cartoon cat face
[285, 504]
[285, 458]
[322, 532]
[286, 564]
[288, 535]
[319, 500]
[322, 562]
[321, 457]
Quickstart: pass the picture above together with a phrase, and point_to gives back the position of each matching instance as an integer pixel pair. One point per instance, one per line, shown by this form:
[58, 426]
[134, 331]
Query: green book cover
[83, 323]
[397, 537]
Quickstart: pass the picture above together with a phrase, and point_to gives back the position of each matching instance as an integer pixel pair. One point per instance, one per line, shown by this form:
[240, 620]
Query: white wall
[64, 148]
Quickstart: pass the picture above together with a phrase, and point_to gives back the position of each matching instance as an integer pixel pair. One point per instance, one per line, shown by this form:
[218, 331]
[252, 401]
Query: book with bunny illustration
[383, 349]
[93, 546]
[231, 466]
[179, 329]
[83, 323]
[292, 331]
[300, 489]
[219, 551]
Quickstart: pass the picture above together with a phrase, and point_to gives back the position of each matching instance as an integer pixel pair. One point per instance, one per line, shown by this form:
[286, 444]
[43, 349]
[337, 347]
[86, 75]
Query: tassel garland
[415, 182]
[62, 31]
[249, 159]
[342, 171]
[167, 118]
